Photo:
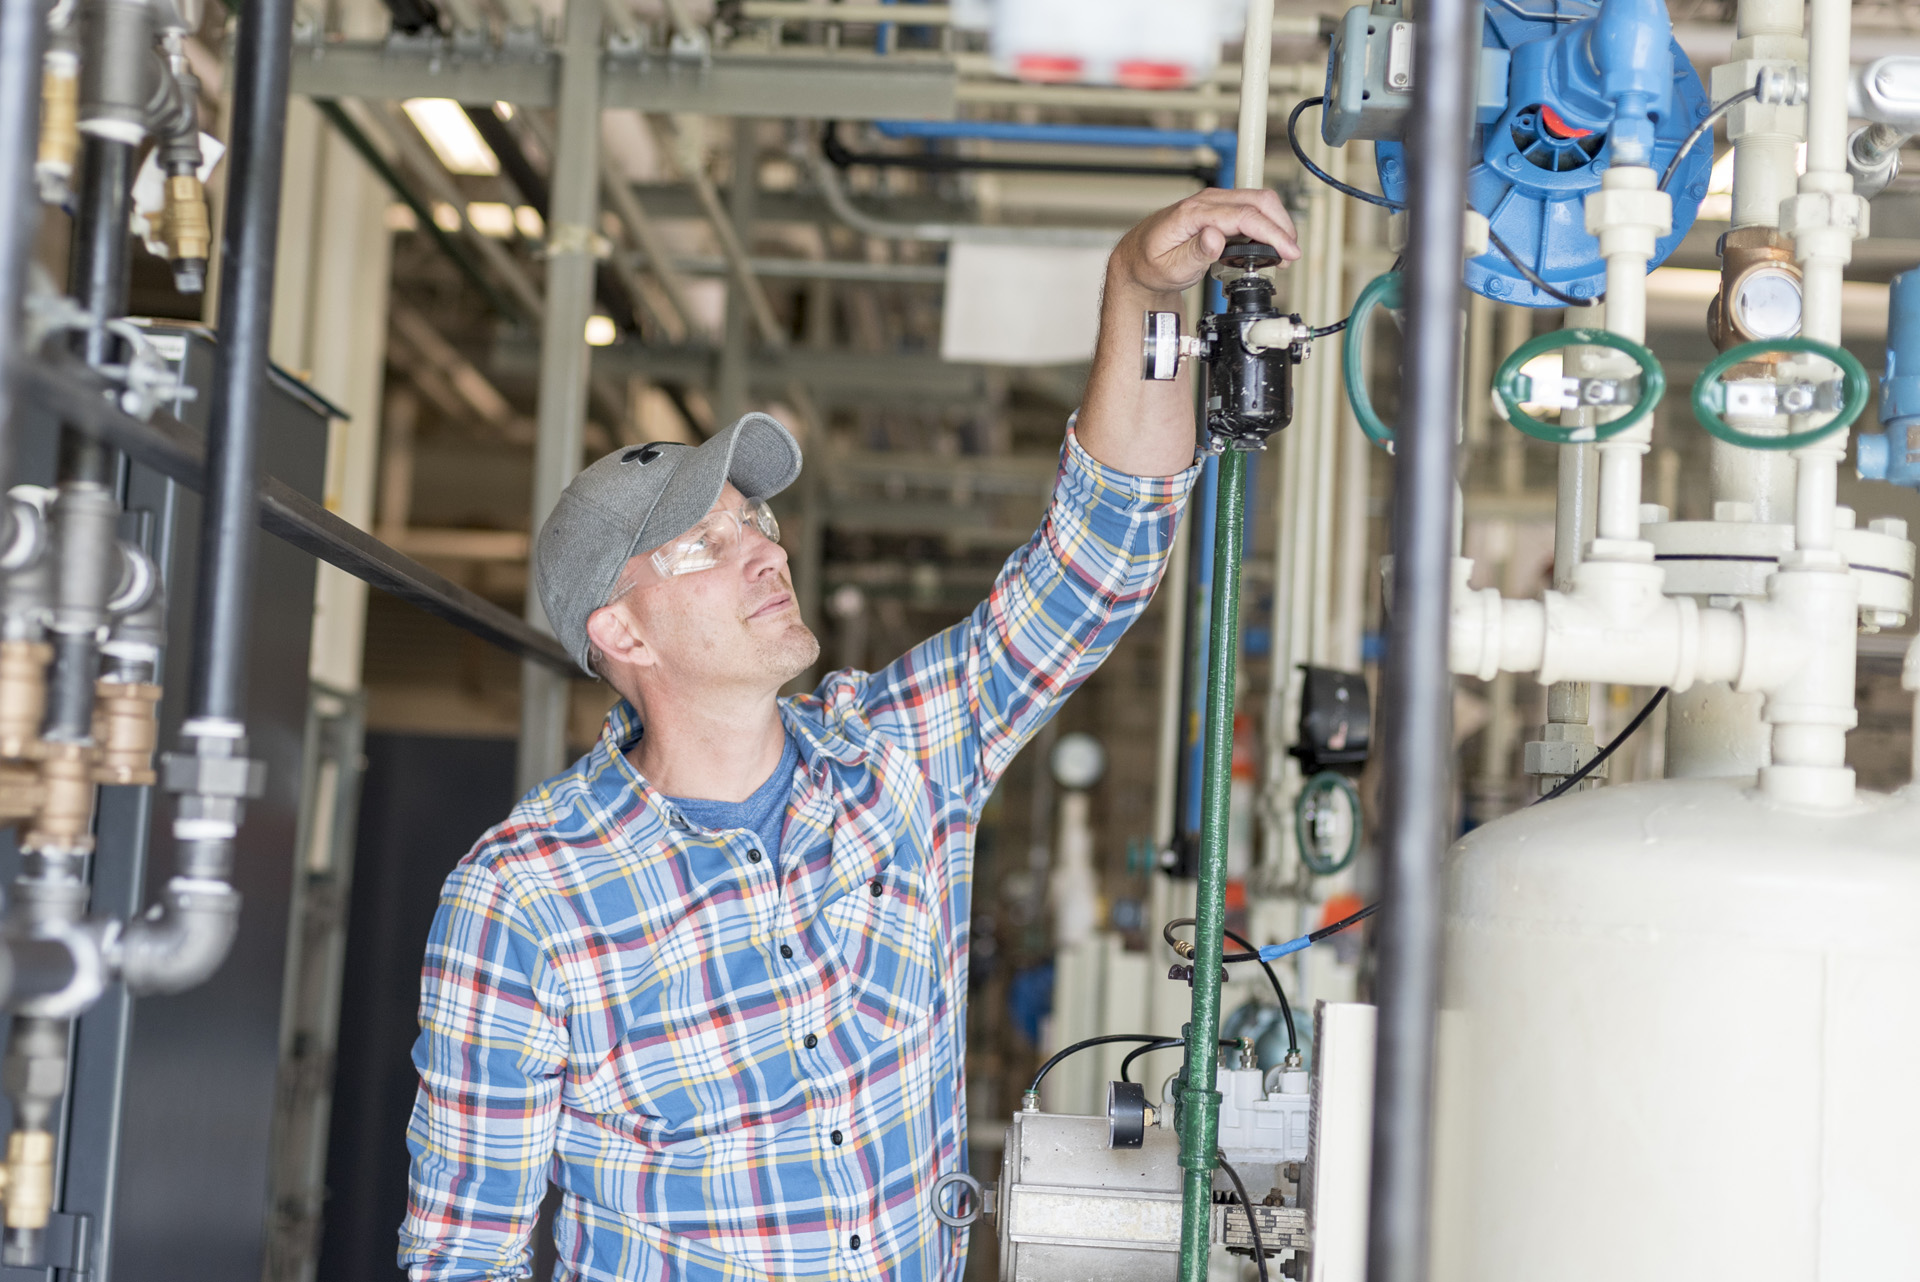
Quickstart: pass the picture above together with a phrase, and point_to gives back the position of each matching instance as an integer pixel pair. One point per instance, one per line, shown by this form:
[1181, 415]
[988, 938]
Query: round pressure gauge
[1766, 303]
[1078, 760]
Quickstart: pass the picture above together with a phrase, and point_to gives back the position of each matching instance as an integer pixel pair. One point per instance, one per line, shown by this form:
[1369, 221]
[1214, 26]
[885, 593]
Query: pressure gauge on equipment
[1766, 304]
[1077, 760]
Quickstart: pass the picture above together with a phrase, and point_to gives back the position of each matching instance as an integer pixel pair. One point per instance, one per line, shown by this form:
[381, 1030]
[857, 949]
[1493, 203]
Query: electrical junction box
[1370, 77]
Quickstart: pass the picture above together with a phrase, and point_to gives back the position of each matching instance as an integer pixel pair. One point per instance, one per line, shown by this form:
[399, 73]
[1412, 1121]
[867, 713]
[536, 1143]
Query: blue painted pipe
[1222, 141]
[1889, 455]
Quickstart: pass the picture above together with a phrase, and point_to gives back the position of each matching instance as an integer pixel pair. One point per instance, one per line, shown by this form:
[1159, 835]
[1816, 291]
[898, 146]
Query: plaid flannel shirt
[732, 1069]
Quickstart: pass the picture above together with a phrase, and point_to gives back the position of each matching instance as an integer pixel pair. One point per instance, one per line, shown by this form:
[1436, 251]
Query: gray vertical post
[742, 192]
[571, 227]
[22, 26]
[1418, 692]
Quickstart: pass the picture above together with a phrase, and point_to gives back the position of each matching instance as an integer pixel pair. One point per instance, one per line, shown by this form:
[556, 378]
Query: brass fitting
[126, 725]
[23, 697]
[185, 228]
[29, 1179]
[20, 791]
[1751, 258]
[65, 820]
[59, 124]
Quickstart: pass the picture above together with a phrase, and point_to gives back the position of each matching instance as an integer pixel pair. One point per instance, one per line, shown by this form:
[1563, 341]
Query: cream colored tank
[1680, 1041]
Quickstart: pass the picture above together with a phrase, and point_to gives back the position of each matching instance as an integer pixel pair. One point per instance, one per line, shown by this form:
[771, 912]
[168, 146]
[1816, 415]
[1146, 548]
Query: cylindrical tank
[1679, 1039]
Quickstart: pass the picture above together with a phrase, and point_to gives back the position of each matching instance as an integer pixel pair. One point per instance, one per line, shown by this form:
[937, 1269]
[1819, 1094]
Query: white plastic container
[1680, 1037]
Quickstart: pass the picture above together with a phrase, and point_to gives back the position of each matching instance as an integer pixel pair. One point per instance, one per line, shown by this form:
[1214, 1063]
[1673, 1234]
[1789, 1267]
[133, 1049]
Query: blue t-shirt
[764, 813]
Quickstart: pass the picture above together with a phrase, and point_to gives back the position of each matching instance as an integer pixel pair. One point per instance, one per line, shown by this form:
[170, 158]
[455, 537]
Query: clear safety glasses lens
[715, 540]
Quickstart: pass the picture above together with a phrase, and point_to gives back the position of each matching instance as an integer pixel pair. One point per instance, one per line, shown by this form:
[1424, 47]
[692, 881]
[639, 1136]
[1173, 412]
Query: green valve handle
[1513, 387]
[1710, 394]
[1320, 858]
[1381, 289]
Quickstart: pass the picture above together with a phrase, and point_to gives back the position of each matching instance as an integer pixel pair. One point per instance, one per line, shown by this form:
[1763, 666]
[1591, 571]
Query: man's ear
[613, 634]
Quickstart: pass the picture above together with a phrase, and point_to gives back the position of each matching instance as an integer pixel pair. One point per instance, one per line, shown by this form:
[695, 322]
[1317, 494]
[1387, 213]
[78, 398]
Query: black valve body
[1249, 394]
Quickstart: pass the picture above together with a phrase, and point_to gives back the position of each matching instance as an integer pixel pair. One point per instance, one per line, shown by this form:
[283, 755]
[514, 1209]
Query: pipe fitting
[117, 70]
[59, 125]
[1873, 158]
[186, 231]
[34, 1075]
[180, 941]
[64, 822]
[126, 728]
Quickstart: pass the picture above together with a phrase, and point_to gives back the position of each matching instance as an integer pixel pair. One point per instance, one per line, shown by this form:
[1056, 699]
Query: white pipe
[1173, 671]
[1256, 61]
[1629, 214]
[1766, 136]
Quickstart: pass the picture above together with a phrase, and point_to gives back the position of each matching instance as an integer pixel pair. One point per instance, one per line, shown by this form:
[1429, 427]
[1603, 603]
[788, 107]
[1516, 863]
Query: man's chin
[793, 651]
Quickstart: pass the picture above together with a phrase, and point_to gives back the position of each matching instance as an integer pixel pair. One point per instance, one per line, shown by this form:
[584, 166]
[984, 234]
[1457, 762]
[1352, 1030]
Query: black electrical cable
[1165, 1043]
[1704, 127]
[1253, 1225]
[1325, 330]
[1314, 937]
[1108, 1039]
[1639, 719]
[1293, 141]
[1286, 1010]
[1534, 278]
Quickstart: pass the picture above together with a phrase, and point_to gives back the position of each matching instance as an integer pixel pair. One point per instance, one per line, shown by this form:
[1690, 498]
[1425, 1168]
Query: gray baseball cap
[635, 499]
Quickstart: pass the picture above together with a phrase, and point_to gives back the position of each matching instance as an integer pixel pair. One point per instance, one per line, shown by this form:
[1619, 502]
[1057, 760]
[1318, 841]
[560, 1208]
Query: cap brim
[757, 454]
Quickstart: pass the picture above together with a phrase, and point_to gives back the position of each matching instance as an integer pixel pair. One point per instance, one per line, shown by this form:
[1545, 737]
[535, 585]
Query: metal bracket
[67, 1246]
[1764, 398]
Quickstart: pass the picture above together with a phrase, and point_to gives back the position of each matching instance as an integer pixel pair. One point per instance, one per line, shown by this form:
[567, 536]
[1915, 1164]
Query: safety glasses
[715, 541]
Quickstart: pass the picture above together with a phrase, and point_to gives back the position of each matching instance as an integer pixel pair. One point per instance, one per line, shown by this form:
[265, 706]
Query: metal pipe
[1418, 688]
[222, 605]
[22, 31]
[1199, 1120]
[1199, 1096]
[185, 937]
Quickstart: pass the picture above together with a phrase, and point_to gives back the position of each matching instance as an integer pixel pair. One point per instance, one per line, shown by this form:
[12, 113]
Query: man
[711, 981]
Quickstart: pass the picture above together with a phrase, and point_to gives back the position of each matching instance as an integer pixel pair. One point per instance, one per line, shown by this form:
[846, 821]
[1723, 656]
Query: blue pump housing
[1890, 455]
[1584, 88]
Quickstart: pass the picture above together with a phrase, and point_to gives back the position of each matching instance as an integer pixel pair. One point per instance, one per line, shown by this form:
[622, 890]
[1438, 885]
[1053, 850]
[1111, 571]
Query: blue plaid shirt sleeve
[490, 1054]
[965, 701]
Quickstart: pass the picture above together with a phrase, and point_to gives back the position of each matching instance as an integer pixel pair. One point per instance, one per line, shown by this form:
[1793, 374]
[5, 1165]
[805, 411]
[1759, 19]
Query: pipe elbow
[182, 940]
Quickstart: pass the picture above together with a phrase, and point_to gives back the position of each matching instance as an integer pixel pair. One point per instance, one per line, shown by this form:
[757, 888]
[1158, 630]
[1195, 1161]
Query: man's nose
[761, 554]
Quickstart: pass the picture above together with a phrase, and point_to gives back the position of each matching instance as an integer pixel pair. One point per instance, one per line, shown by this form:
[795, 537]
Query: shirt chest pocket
[882, 934]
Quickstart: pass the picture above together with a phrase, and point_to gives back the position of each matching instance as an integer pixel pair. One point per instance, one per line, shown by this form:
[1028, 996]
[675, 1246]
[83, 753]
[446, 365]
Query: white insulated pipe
[1766, 136]
[1629, 214]
[1256, 65]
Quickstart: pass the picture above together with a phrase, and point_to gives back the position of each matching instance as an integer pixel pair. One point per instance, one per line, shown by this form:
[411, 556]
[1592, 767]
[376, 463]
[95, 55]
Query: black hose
[1417, 694]
[1165, 1043]
[1299, 154]
[1286, 1010]
[1105, 1040]
[1626, 733]
[1705, 126]
[1253, 1225]
[1314, 937]
[223, 601]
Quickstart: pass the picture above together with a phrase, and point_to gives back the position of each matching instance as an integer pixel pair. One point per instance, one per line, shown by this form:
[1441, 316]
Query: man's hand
[1147, 428]
[1171, 250]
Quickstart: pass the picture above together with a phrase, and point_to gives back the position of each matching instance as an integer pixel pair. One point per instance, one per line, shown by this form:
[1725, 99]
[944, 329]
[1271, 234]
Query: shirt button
[874, 887]
[854, 1241]
[753, 856]
[786, 950]
[810, 1042]
[837, 1137]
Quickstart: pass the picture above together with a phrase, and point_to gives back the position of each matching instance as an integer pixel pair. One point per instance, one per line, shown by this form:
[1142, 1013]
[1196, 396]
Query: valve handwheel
[1512, 386]
[1710, 394]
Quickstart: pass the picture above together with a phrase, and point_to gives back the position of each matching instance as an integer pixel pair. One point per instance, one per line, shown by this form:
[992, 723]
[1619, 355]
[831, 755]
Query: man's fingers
[1256, 213]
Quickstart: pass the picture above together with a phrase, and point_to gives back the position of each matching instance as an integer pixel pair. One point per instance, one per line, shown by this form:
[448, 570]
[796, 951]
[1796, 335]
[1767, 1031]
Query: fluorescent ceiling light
[452, 136]
[601, 331]
[491, 218]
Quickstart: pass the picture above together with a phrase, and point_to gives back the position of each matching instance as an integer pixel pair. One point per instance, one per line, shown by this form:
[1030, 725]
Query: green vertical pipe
[1199, 1100]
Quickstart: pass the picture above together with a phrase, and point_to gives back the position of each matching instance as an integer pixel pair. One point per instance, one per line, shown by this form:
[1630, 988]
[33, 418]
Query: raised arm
[1126, 422]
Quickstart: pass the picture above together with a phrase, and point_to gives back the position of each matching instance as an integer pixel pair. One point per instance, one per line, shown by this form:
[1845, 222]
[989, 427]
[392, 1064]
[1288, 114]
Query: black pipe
[940, 162]
[22, 33]
[262, 44]
[99, 276]
[1418, 692]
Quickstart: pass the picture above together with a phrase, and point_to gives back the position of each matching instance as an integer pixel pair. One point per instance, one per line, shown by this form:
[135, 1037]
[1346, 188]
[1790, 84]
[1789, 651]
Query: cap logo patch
[642, 454]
